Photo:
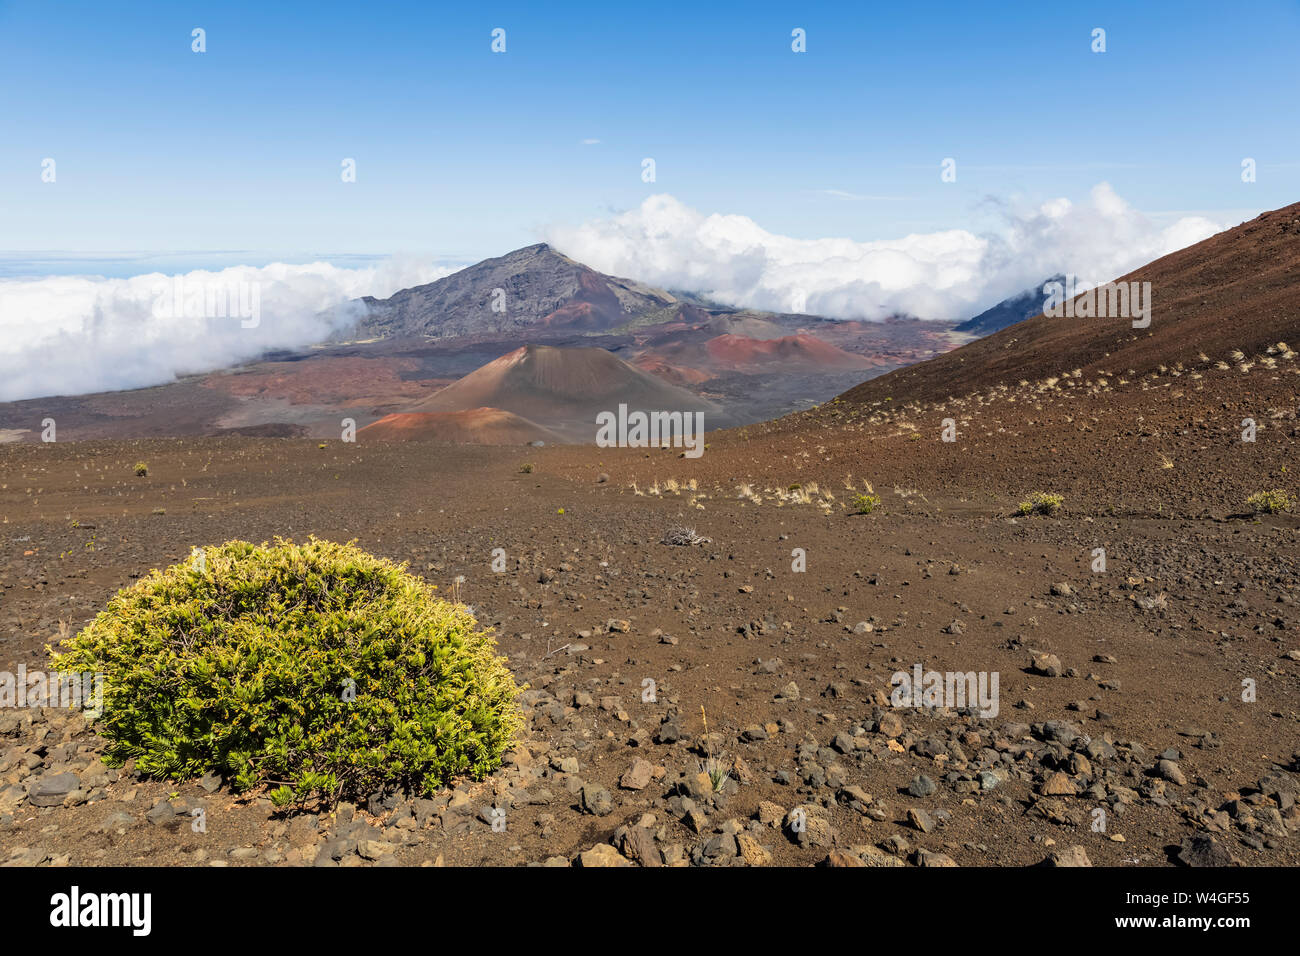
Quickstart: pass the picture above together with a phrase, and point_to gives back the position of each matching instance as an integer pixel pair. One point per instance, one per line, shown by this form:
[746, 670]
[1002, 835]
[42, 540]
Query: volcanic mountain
[564, 389]
[530, 288]
[476, 426]
[1234, 295]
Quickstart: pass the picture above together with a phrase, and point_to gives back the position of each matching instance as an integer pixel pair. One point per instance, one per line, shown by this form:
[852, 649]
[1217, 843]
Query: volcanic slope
[1236, 292]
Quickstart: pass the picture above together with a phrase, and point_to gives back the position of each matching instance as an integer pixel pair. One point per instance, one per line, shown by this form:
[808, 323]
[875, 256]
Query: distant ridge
[1238, 291]
[1009, 311]
[798, 351]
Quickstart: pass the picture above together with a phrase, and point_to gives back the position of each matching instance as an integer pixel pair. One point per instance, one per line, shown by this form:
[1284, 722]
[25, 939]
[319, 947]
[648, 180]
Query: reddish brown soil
[677, 374]
[582, 553]
[1198, 596]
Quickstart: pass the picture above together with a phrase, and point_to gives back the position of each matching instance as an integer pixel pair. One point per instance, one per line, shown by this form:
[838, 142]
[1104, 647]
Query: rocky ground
[707, 702]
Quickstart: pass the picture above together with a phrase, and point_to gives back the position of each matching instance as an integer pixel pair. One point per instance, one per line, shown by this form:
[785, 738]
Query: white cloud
[939, 275]
[77, 334]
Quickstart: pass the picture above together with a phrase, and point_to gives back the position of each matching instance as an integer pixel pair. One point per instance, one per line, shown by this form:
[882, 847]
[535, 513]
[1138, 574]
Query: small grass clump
[141, 469]
[1270, 502]
[717, 773]
[864, 504]
[1042, 503]
[526, 468]
[315, 669]
[681, 537]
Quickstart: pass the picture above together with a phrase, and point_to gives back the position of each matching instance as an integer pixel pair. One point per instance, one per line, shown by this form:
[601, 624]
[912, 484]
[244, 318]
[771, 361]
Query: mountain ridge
[535, 286]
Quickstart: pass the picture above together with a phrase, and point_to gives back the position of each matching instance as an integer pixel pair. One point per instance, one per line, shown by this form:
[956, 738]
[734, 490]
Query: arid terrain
[670, 614]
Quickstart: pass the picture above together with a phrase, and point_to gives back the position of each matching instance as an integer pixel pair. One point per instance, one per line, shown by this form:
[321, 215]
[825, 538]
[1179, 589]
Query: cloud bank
[69, 335]
[940, 275]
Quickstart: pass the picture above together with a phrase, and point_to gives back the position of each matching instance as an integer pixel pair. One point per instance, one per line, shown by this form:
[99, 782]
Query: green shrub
[1043, 503]
[526, 468]
[316, 668]
[1270, 502]
[141, 469]
[865, 504]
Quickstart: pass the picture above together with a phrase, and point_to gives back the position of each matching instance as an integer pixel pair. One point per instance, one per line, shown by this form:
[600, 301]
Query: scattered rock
[602, 854]
[1073, 855]
[51, 789]
[840, 858]
[920, 820]
[638, 776]
[1169, 770]
[1047, 665]
[597, 800]
[1205, 851]
[161, 813]
[921, 786]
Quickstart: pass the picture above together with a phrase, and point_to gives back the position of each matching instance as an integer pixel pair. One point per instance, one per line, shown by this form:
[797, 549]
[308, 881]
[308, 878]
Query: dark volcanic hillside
[1238, 291]
[1009, 311]
[539, 287]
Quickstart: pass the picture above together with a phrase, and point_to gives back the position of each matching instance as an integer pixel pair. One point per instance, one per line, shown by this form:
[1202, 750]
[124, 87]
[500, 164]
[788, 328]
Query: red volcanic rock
[677, 374]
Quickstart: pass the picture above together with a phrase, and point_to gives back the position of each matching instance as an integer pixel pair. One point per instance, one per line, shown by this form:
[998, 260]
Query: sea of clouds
[952, 274]
[78, 334]
[69, 335]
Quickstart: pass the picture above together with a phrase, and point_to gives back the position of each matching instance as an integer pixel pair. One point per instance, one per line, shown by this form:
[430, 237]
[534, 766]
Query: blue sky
[234, 154]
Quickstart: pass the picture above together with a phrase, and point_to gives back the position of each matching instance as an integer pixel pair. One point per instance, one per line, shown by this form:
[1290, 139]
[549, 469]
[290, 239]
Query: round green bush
[317, 669]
